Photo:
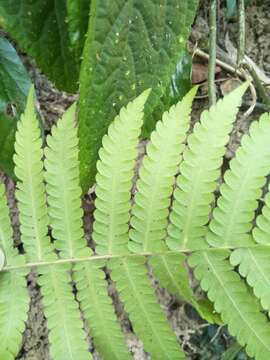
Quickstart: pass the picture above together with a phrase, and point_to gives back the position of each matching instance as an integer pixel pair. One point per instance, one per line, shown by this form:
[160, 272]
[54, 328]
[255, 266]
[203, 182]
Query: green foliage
[63, 189]
[156, 178]
[231, 297]
[66, 335]
[12, 287]
[125, 48]
[15, 84]
[51, 32]
[93, 294]
[232, 218]
[199, 172]
[130, 46]
[74, 282]
[149, 322]
[114, 179]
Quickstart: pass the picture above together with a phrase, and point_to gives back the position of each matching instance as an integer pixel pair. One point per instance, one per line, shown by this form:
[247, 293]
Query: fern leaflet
[254, 264]
[66, 335]
[157, 174]
[63, 189]
[199, 172]
[241, 189]
[114, 179]
[140, 302]
[99, 312]
[237, 306]
[30, 191]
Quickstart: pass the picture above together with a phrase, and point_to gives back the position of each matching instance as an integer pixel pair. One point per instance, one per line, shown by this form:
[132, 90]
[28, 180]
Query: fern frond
[172, 274]
[254, 265]
[261, 233]
[156, 177]
[114, 179]
[98, 311]
[241, 189]
[199, 172]
[237, 306]
[66, 336]
[13, 287]
[148, 320]
[14, 305]
[30, 191]
[6, 233]
[63, 188]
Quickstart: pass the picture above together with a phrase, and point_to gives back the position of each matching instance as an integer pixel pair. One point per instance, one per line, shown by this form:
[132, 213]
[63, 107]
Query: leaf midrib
[74, 260]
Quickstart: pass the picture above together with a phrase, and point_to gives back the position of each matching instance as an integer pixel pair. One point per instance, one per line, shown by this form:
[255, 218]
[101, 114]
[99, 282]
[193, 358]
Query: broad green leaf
[77, 18]
[14, 87]
[41, 29]
[131, 45]
[180, 82]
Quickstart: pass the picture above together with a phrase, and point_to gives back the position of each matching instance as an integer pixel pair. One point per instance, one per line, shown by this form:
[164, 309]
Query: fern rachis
[130, 237]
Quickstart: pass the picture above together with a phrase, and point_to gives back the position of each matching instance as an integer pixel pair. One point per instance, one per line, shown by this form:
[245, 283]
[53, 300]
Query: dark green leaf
[180, 81]
[232, 352]
[14, 86]
[131, 45]
[41, 29]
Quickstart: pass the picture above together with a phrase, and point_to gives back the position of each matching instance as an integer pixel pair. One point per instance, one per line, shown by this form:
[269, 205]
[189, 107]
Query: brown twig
[213, 52]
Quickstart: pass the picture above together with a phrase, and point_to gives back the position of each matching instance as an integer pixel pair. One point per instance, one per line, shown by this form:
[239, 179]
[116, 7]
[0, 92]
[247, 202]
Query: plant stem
[31, 265]
[241, 32]
[212, 52]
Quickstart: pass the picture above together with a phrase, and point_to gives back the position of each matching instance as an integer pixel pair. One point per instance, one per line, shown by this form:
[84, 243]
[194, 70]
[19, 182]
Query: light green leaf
[98, 311]
[63, 187]
[199, 172]
[148, 320]
[150, 210]
[237, 306]
[254, 265]
[30, 192]
[114, 179]
[66, 336]
[242, 188]
[131, 45]
[14, 305]
[173, 275]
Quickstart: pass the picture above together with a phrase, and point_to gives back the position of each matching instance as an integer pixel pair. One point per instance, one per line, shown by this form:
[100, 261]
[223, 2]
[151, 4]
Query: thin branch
[213, 52]
[241, 73]
[241, 32]
[231, 69]
[259, 86]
